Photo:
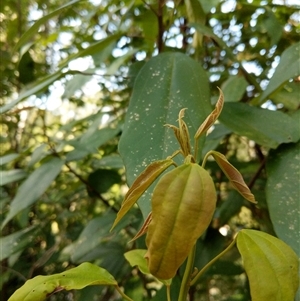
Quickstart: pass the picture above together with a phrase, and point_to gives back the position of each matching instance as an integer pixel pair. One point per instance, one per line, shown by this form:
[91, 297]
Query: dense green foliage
[76, 76]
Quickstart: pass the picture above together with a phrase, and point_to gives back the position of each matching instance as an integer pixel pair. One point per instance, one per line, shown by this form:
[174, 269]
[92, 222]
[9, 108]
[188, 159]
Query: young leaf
[139, 186]
[183, 203]
[212, 117]
[270, 264]
[144, 228]
[39, 287]
[233, 175]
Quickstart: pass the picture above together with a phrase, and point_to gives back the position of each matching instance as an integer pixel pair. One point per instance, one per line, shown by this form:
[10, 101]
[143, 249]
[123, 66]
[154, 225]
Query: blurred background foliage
[67, 73]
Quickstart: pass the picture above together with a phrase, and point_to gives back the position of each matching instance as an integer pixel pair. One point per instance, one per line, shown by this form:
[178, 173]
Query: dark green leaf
[283, 194]
[267, 128]
[287, 68]
[16, 242]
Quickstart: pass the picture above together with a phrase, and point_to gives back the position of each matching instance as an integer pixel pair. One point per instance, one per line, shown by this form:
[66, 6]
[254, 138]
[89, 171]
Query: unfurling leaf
[233, 175]
[183, 204]
[39, 287]
[271, 266]
[144, 228]
[212, 117]
[140, 185]
[182, 134]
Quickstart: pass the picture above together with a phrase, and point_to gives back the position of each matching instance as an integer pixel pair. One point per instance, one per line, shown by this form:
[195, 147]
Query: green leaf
[283, 194]
[137, 258]
[8, 176]
[8, 158]
[249, 121]
[34, 186]
[39, 287]
[234, 88]
[16, 242]
[287, 68]
[166, 84]
[270, 264]
[90, 141]
[36, 26]
[288, 96]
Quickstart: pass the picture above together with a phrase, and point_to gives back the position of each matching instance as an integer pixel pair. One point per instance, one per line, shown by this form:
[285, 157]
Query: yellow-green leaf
[39, 287]
[233, 175]
[140, 185]
[183, 204]
[271, 266]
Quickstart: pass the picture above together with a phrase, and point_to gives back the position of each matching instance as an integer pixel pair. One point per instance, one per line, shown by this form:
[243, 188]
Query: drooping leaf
[283, 194]
[249, 121]
[39, 287]
[141, 184]
[270, 264]
[8, 176]
[233, 175]
[34, 186]
[287, 68]
[16, 242]
[166, 84]
[183, 204]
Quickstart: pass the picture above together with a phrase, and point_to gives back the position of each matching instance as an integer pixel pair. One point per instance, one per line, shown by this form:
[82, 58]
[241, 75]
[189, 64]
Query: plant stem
[208, 265]
[168, 293]
[205, 158]
[122, 293]
[185, 284]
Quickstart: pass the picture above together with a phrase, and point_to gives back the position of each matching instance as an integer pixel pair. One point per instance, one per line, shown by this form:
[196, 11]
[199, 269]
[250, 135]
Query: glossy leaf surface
[39, 287]
[270, 264]
[183, 203]
[166, 84]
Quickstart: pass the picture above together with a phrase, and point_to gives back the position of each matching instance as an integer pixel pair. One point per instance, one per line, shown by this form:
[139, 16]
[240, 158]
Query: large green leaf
[34, 186]
[16, 242]
[283, 193]
[39, 287]
[288, 67]
[165, 85]
[268, 128]
[270, 264]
